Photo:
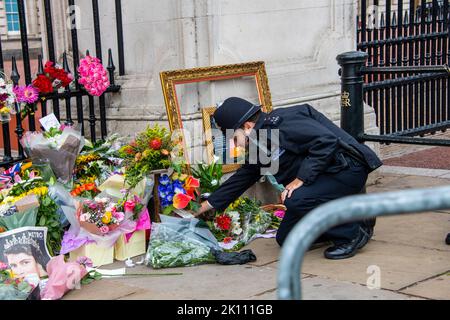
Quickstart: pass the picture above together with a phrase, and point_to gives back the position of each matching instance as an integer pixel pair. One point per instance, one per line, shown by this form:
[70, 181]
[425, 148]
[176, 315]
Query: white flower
[237, 231]
[2, 82]
[214, 182]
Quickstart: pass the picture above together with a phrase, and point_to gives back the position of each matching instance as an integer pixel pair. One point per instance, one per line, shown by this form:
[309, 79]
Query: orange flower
[191, 185]
[181, 200]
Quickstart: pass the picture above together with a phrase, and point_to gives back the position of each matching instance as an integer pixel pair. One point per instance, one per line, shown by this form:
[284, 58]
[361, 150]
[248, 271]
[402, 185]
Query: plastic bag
[179, 242]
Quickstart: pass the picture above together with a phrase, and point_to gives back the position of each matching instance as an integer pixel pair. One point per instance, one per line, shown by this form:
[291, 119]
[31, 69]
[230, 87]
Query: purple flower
[26, 94]
[85, 261]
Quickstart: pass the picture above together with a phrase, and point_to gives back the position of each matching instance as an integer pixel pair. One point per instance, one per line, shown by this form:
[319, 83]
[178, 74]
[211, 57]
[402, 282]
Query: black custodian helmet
[233, 113]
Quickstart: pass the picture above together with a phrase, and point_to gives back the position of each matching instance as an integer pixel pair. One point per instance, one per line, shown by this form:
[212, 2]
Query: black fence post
[352, 102]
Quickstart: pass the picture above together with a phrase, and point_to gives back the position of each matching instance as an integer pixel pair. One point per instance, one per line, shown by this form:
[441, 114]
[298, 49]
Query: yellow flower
[11, 274]
[4, 110]
[107, 217]
[26, 166]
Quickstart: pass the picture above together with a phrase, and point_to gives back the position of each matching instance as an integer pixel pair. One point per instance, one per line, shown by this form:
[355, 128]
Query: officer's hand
[297, 183]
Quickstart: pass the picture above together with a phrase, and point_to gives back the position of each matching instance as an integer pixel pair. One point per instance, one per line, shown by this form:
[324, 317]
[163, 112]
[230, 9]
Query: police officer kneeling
[317, 160]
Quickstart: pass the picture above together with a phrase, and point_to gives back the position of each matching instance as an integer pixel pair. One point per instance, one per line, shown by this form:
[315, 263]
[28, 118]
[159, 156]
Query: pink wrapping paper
[143, 223]
[62, 277]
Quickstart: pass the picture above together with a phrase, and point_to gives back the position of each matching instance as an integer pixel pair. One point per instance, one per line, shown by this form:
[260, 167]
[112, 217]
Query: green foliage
[47, 216]
[209, 175]
[139, 156]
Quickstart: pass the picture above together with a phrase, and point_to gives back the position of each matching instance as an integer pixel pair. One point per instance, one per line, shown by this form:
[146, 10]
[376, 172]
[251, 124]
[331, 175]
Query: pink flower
[129, 206]
[279, 214]
[26, 94]
[104, 229]
[93, 76]
[84, 217]
[119, 216]
[3, 266]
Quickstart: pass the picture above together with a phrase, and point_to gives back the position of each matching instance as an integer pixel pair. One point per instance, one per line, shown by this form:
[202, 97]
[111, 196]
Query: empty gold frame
[170, 79]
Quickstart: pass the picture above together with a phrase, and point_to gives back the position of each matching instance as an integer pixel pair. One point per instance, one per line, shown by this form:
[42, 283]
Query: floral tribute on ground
[91, 202]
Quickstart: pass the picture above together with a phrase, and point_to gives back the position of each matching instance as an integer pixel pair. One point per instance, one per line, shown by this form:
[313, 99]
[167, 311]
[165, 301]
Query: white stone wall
[298, 40]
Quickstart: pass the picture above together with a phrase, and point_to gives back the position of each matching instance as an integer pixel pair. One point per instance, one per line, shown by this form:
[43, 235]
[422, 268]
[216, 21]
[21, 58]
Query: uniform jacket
[309, 144]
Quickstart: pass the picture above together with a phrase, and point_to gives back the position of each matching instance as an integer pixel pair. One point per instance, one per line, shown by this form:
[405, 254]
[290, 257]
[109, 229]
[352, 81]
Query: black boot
[447, 240]
[346, 250]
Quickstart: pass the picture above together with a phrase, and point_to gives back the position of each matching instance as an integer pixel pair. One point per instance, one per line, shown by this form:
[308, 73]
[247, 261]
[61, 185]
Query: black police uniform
[330, 162]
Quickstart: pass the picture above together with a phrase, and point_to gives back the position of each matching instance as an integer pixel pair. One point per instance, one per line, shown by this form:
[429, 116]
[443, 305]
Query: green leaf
[167, 210]
[42, 221]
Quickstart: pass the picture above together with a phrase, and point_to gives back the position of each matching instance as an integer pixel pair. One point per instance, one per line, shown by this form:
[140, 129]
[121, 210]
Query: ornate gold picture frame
[170, 79]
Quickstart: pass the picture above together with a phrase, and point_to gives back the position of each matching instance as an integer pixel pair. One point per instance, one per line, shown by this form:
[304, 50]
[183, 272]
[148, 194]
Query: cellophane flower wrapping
[61, 150]
[180, 242]
[254, 225]
[78, 236]
[16, 220]
[62, 277]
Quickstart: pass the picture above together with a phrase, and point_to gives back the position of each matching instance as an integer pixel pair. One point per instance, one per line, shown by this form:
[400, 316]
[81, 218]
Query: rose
[129, 206]
[119, 216]
[279, 214]
[104, 229]
[3, 266]
[43, 84]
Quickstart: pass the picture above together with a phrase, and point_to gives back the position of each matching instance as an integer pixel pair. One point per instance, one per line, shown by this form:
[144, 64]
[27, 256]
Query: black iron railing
[406, 35]
[69, 95]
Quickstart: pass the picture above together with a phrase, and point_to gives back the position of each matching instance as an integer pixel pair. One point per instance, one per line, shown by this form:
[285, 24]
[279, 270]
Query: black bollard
[352, 103]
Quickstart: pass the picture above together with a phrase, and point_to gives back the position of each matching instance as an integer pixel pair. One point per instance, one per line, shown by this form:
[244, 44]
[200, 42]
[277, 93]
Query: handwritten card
[49, 121]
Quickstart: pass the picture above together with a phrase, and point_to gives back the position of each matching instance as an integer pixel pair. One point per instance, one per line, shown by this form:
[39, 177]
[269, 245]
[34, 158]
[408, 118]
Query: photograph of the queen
[25, 252]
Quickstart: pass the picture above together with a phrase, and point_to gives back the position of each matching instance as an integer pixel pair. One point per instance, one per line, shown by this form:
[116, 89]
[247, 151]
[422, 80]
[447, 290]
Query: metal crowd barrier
[345, 210]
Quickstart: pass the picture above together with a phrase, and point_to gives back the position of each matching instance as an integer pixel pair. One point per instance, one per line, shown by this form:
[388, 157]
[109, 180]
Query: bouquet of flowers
[53, 78]
[178, 192]
[209, 176]
[240, 223]
[149, 151]
[12, 288]
[95, 165]
[93, 76]
[60, 146]
[7, 99]
[99, 216]
[18, 206]
[226, 227]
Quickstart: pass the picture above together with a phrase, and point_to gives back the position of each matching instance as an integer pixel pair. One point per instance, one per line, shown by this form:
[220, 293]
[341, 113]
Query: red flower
[43, 84]
[155, 144]
[181, 200]
[223, 222]
[227, 240]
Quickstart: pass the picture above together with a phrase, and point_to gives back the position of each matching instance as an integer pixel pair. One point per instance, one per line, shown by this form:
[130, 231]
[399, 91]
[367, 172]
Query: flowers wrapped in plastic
[60, 146]
[7, 99]
[101, 221]
[179, 242]
[12, 288]
[19, 201]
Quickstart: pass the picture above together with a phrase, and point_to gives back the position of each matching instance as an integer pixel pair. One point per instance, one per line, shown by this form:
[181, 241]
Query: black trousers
[327, 187]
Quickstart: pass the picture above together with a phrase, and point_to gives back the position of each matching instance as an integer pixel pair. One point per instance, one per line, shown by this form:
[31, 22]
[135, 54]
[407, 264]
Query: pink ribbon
[143, 223]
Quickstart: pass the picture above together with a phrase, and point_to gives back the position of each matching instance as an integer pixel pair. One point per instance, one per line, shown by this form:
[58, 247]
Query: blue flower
[164, 179]
[178, 187]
